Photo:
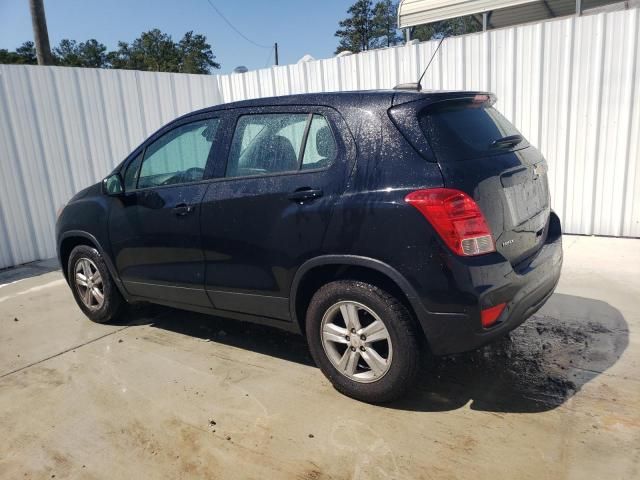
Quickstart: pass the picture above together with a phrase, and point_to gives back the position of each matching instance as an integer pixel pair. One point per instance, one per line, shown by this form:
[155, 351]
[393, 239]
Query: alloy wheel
[89, 284]
[356, 341]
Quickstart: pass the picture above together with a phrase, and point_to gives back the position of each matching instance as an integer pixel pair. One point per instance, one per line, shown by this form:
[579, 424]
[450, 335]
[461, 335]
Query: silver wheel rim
[89, 284]
[356, 341]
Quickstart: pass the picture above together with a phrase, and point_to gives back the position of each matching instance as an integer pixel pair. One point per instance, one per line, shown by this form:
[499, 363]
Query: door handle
[183, 209]
[303, 194]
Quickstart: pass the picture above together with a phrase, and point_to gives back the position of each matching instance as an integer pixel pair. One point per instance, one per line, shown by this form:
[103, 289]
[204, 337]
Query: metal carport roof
[504, 12]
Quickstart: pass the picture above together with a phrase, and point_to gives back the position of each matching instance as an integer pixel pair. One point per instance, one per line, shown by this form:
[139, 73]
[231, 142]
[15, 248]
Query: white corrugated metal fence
[572, 86]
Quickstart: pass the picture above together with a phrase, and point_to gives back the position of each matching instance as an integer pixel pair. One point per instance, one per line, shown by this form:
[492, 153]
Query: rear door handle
[303, 194]
[183, 209]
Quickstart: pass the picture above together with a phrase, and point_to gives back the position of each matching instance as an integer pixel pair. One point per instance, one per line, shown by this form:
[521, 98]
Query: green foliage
[446, 28]
[355, 31]
[152, 51]
[368, 26]
[91, 53]
[25, 54]
[385, 24]
[196, 55]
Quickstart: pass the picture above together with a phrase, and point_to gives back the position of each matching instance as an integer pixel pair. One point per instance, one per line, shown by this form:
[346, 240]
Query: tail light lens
[457, 219]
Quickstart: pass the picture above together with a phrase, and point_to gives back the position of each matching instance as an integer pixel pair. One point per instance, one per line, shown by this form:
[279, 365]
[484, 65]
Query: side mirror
[112, 185]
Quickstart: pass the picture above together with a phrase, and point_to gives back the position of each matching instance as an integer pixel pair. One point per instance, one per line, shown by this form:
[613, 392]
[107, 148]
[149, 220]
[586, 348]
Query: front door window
[179, 156]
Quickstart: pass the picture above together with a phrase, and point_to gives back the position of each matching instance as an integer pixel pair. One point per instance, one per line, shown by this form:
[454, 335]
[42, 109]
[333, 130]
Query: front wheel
[364, 340]
[92, 286]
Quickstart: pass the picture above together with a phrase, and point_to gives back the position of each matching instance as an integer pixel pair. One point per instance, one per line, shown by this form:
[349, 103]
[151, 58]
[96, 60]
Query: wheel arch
[73, 238]
[320, 270]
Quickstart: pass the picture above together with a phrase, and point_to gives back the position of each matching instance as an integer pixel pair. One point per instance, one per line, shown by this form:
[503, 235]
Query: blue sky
[299, 27]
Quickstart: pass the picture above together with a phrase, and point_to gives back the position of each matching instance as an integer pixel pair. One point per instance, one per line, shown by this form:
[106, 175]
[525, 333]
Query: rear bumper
[524, 290]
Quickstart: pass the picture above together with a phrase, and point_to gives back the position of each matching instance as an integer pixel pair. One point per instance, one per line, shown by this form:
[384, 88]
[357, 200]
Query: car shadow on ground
[536, 368]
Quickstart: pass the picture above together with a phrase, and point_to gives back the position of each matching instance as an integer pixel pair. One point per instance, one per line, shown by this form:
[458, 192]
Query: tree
[91, 53]
[66, 53]
[355, 31]
[156, 51]
[446, 28]
[368, 26]
[195, 54]
[25, 54]
[122, 57]
[385, 24]
[152, 51]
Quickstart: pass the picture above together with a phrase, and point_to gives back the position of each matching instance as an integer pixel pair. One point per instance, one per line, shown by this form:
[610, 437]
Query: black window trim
[305, 136]
[123, 173]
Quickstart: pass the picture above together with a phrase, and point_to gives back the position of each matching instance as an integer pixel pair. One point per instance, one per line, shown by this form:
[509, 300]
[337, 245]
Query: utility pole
[276, 47]
[40, 34]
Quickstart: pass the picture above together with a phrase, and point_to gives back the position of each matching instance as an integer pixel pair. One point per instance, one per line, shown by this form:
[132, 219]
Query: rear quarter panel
[373, 220]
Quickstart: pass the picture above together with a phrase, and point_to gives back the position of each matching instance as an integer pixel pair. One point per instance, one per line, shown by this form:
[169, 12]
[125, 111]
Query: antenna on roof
[416, 86]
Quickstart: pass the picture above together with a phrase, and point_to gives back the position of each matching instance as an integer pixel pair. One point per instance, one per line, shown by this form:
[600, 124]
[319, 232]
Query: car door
[155, 226]
[268, 211]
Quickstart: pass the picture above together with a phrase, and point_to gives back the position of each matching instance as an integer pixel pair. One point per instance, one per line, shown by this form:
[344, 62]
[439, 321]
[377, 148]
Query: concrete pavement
[169, 394]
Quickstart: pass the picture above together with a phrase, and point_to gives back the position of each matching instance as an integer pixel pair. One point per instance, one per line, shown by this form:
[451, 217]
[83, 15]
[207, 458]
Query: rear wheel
[92, 285]
[363, 339]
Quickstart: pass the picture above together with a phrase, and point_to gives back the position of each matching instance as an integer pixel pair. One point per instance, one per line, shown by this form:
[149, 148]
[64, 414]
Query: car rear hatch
[482, 154]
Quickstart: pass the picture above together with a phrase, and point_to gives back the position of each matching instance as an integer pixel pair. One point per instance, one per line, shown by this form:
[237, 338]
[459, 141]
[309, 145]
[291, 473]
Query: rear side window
[280, 142]
[179, 156]
[464, 130]
[264, 144]
[320, 149]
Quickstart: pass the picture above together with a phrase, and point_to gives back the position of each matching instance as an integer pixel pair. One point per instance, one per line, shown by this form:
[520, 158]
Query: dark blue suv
[380, 224]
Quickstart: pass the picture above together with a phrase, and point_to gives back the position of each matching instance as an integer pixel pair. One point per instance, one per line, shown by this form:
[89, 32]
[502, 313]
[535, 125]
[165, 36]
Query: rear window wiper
[510, 141]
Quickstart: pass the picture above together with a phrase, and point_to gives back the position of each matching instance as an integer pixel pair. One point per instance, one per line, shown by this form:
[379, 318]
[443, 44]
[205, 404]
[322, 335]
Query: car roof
[337, 99]
[319, 98]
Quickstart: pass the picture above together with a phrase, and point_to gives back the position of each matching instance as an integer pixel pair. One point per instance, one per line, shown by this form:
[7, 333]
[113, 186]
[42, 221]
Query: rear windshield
[463, 130]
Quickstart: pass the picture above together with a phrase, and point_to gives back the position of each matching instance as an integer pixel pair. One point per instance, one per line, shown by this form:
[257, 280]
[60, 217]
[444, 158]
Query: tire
[372, 304]
[85, 259]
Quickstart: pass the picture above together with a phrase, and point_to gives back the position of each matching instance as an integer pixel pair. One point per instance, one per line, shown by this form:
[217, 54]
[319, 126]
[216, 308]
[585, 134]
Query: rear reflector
[491, 314]
[456, 217]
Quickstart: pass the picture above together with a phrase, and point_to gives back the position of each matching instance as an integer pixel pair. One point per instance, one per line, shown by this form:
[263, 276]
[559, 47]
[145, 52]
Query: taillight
[457, 219]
